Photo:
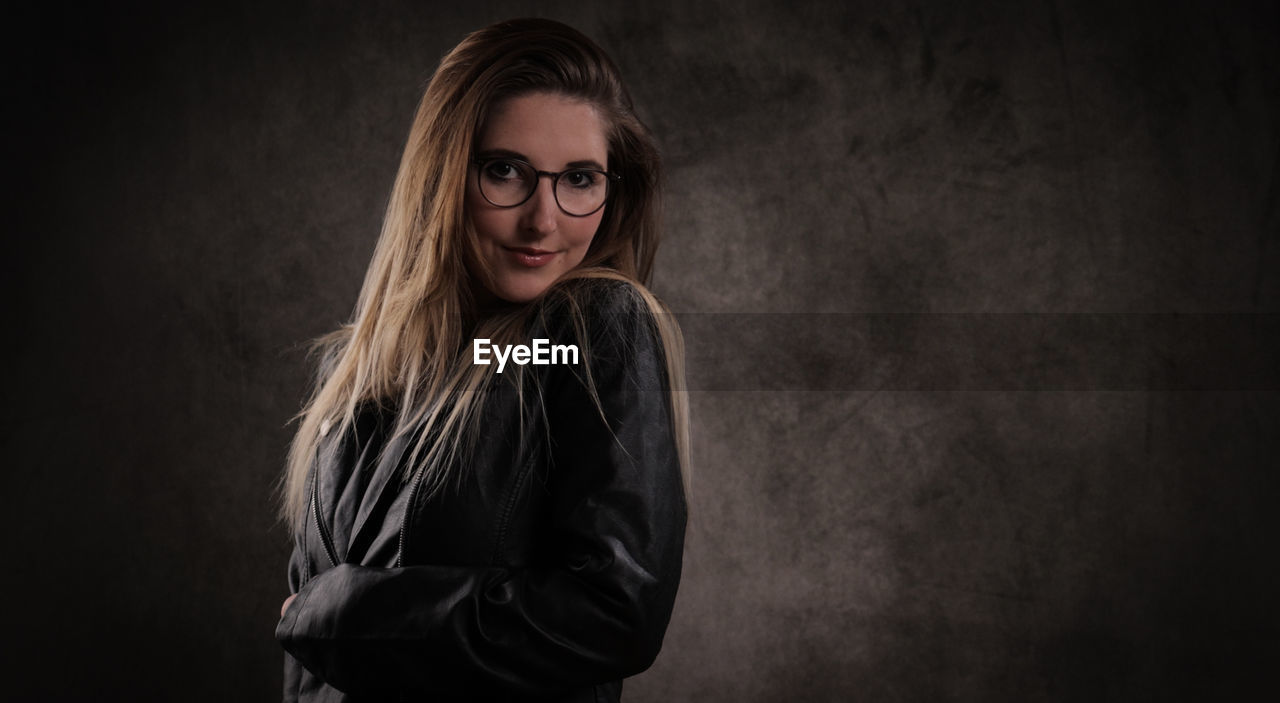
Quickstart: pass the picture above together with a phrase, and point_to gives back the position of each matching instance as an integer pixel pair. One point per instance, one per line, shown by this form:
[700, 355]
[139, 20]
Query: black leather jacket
[549, 574]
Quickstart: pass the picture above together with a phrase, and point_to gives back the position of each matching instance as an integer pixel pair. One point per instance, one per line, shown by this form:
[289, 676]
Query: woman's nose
[541, 210]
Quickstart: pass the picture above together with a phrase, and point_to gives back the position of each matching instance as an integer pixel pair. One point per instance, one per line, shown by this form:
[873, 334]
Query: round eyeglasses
[508, 182]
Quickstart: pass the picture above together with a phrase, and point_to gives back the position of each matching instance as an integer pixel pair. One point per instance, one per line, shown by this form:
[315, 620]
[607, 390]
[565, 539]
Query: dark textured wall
[980, 300]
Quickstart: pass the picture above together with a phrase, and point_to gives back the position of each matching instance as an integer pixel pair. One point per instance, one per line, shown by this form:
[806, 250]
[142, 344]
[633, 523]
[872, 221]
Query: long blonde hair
[406, 345]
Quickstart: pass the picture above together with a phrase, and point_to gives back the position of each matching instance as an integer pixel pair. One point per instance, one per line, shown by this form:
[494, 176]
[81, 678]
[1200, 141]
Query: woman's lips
[533, 258]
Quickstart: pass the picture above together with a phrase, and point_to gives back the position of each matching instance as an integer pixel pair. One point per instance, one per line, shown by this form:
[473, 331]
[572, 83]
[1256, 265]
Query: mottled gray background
[915, 495]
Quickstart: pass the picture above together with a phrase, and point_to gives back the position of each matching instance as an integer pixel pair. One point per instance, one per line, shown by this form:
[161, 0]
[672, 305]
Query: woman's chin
[520, 291]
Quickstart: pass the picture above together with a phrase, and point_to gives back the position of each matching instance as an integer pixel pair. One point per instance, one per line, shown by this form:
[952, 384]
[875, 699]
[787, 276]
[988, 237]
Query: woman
[505, 530]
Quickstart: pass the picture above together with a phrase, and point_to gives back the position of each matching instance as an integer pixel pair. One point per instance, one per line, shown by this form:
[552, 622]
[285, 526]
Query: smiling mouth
[531, 257]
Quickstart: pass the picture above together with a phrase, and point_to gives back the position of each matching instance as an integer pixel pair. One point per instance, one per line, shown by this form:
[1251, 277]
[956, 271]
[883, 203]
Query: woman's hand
[287, 601]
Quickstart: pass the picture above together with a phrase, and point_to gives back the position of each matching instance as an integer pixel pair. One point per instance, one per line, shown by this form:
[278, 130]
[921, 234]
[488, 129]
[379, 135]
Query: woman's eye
[501, 171]
[581, 179]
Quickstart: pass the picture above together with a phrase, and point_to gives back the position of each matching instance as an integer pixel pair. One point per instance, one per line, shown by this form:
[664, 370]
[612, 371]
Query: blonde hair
[405, 346]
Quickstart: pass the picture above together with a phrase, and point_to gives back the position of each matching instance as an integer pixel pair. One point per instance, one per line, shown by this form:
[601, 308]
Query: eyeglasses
[508, 182]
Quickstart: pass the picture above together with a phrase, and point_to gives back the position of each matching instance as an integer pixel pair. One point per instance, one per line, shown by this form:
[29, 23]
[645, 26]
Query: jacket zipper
[324, 534]
[408, 512]
[408, 508]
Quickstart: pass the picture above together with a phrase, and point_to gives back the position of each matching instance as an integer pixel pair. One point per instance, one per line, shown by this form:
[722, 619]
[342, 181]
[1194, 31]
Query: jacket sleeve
[595, 611]
[292, 669]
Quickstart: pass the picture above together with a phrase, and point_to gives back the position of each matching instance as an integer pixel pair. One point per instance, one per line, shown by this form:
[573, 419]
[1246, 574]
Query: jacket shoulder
[594, 294]
[617, 331]
[599, 309]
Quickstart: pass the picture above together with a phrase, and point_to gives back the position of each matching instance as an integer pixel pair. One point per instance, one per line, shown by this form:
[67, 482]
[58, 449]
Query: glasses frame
[609, 180]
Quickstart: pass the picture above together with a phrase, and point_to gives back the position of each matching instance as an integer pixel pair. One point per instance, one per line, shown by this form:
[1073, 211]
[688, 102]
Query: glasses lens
[582, 191]
[506, 183]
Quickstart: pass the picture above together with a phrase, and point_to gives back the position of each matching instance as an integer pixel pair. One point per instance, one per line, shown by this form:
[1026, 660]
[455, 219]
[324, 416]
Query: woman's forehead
[548, 130]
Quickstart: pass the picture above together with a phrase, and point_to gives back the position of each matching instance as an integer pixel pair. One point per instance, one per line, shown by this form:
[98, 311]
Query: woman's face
[529, 246]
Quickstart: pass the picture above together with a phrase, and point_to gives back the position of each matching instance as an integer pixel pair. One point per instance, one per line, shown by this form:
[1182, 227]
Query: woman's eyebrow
[509, 154]
[501, 154]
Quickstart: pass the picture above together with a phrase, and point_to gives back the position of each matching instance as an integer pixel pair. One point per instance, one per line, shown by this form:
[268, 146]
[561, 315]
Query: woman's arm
[292, 669]
[598, 614]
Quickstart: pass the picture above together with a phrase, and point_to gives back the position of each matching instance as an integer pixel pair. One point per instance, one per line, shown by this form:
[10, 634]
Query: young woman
[509, 530]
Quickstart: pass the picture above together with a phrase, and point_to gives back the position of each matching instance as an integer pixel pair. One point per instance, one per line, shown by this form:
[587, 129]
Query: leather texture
[548, 574]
